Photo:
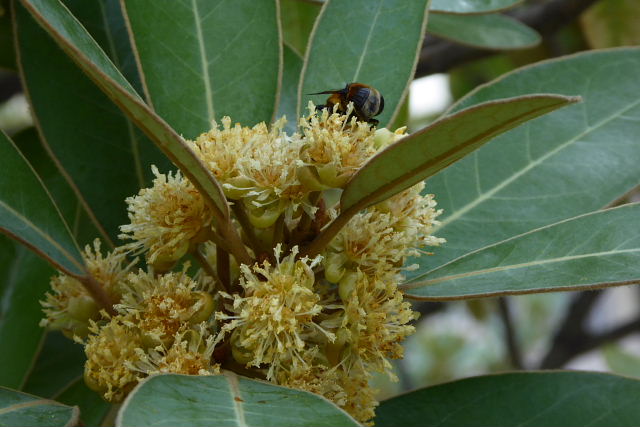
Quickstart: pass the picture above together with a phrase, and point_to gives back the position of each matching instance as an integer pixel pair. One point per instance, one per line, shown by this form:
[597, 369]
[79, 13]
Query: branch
[515, 356]
[573, 339]
[440, 56]
[97, 292]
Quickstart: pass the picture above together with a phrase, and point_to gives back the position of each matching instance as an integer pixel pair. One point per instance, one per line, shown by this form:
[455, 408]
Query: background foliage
[112, 86]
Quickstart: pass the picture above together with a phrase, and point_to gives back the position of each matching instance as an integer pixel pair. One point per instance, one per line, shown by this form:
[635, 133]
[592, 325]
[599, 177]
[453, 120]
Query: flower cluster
[162, 324]
[322, 323]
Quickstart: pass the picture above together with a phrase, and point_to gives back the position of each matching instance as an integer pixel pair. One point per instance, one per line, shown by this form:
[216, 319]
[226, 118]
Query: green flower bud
[206, 309]
[263, 218]
[83, 308]
[308, 177]
[347, 285]
[334, 267]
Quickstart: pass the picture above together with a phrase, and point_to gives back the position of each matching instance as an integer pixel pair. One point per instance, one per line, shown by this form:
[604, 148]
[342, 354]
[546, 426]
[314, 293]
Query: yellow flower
[274, 319]
[220, 149]
[70, 306]
[257, 166]
[379, 241]
[337, 147]
[161, 305]
[167, 219]
[376, 321]
[190, 353]
[111, 351]
[349, 390]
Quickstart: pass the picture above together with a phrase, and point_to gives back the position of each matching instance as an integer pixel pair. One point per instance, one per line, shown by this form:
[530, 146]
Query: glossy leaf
[297, 18]
[229, 400]
[58, 367]
[471, 6]
[435, 147]
[202, 60]
[359, 41]
[93, 409]
[492, 31]
[81, 226]
[76, 42]
[289, 94]
[556, 167]
[519, 399]
[104, 20]
[96, 145]
[24, 278]
[21, 409]
[597, 249]
[28, 214]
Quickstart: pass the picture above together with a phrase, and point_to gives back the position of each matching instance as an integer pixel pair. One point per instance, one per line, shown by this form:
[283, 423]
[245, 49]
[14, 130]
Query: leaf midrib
[42, 234]
[135, 150]
[515, 267]
[368, 40]
[204, 63]
[488, 194]
[232, 379]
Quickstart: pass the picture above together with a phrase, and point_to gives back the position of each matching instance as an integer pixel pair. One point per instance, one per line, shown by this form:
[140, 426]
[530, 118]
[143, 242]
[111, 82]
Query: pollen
[167, 220]
[161, 305]
[111, 350]
[380, 240]
[275, 318]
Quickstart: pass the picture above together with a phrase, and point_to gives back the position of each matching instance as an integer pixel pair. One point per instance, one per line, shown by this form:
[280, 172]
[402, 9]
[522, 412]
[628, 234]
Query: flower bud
[347, 285]
[308, 177]
[334, 267]
[239, 353]
[334, 349]
[82, 308]
[208, 305]
[236, 188]
[329, 176]
[263, 218]
[383, 137]
[93, 384]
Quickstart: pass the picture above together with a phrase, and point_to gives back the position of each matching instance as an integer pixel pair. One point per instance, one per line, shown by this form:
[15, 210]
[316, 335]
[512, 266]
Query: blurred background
[597, 330]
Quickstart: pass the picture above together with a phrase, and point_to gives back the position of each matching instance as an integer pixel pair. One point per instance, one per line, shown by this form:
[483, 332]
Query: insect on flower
[367, 101]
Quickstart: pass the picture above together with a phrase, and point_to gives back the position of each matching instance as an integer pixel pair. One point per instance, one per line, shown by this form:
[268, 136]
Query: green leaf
[620, 361]
[95, 144]
[572, 162]
[59, 366]
[492, 31]
[105, 22]
[522, 399]
[82, 228]
[289, 93]
[471, 6]
[78, 44]
[229, 400]
[297, 19]
[358, 41]
[21, 409]
[29, 215]
[93, 409]
[435, 147]
[24, 278]
[202, 60]
[592, 250]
